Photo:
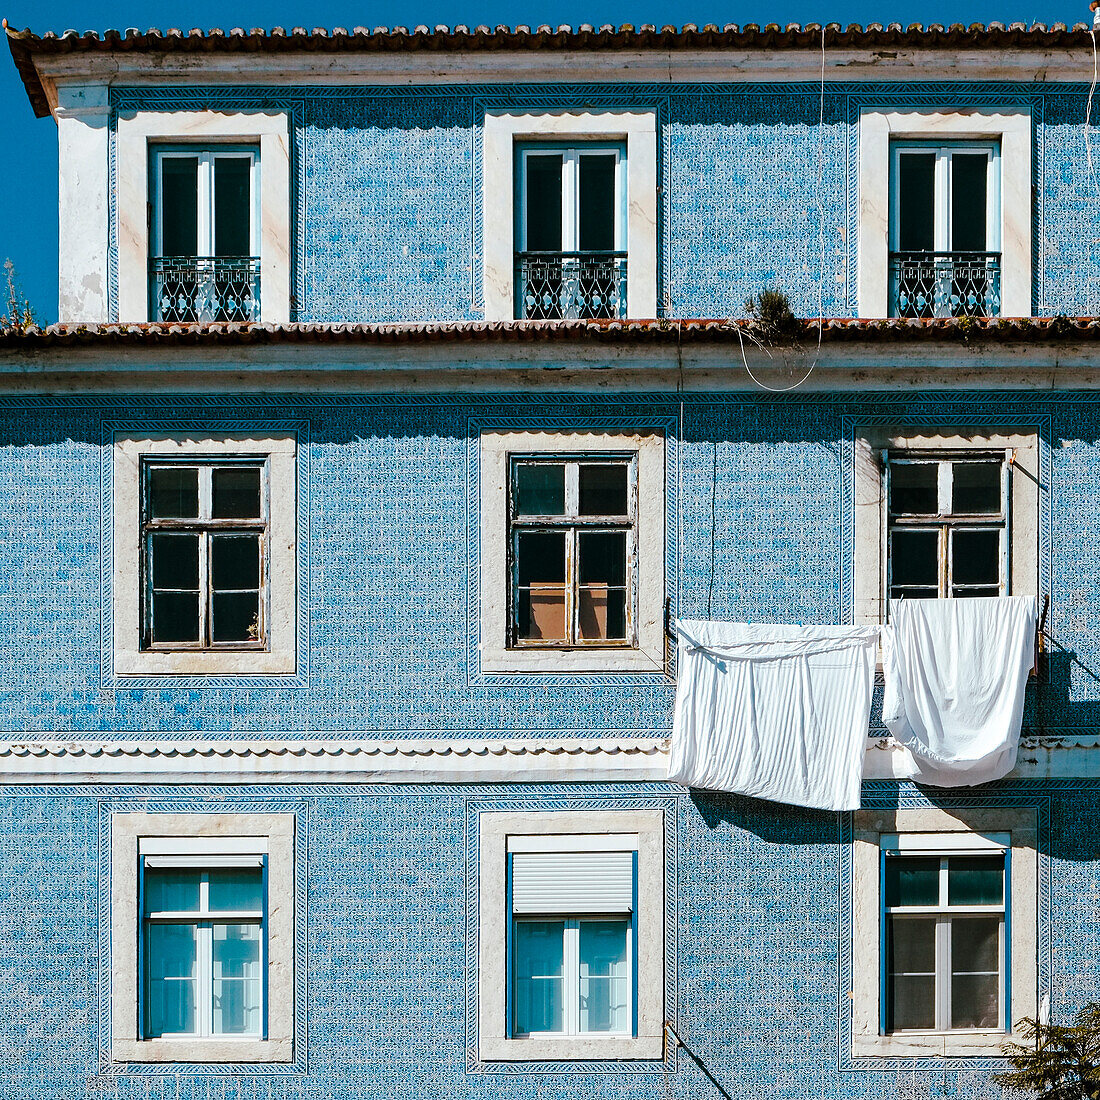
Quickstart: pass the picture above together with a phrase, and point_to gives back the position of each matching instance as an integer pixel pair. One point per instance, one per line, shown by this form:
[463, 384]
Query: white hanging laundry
[955, 675]
[775, 712]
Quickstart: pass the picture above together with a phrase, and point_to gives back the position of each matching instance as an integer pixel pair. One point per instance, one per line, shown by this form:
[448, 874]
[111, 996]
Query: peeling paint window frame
[572, 523]
[944, 521]
[206, 526]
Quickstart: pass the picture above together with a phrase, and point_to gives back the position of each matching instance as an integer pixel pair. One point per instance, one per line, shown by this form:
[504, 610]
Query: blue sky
[28, 231]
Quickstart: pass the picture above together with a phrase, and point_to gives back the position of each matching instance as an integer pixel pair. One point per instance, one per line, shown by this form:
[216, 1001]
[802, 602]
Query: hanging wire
[820, 245]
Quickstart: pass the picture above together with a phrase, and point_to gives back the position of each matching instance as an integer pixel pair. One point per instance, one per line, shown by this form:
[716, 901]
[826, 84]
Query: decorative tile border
[565, 420]
[109, 430]
[886, 794]
[519, 800]
[155, 802]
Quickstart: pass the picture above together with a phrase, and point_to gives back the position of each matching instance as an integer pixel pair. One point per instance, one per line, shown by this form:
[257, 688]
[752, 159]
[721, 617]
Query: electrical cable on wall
[820, 246]
[1095, 8]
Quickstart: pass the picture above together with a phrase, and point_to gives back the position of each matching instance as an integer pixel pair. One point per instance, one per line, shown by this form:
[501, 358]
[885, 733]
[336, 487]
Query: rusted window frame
[571, 523]
[944, 522]
[204, 526]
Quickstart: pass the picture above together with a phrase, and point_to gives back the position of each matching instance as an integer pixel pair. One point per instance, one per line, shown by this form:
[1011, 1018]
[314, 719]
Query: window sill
[572, 1048]
[208, 662]
[942, 1044]
[202, 1050]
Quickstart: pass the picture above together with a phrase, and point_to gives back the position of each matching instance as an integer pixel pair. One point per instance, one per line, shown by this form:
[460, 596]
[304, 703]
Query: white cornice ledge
[450, 760]
[456, 760]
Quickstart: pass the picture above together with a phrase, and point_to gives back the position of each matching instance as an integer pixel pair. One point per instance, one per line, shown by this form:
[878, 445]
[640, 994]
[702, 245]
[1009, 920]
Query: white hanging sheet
[775, 712]
[955, 675]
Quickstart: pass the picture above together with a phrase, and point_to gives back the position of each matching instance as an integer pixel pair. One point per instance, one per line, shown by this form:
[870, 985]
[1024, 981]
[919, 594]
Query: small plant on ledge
[771, 312]
[18, 314]
[1056, 1062]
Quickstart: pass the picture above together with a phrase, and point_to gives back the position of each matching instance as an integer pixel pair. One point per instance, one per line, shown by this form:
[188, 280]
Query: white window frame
[870, 488]
[206, 156]
[201, 840]
[504, 131]
[879, 128]
[942, 831]
[140, 131]
[640, 831]
[279, 655]
[942, 193]
[647, 653]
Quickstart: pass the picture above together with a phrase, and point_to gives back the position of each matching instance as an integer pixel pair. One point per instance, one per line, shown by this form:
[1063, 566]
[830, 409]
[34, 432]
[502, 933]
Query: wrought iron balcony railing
[564, 285]
[945, 284]
[205, 288]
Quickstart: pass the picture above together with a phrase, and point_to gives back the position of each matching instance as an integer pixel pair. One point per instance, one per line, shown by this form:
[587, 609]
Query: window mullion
[206, 204]
[572, 582]
[942, 233]
[570, 197]
[571, 978]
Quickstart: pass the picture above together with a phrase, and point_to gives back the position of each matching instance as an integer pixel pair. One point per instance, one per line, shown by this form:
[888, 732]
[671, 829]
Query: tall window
[572, 942]
[572, 527]
[203, 946]
[945, 230]
[205, 536]
[572, 252]
[204, 265]
[943, 932]
[947, 524]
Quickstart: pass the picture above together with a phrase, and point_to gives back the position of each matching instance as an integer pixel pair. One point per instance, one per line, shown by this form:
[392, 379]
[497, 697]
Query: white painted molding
[877, 128]
[351, 759]
[270, 129]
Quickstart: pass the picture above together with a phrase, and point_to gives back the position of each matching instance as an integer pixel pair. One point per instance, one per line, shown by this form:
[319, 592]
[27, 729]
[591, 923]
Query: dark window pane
[232, 206]
[173, 492]
[975, 945]
[976, 557]
[235, 560]
[911, 945]
[603, 557]
[975, 880]
[171, 889]
[969, 176]
[597, 203]
[540, 489]
[975, 487]
[917, 202]
[601, 613]
[913, 488]
[236, 889]
[541, 558]
[914, 558]
[912, 880]
[236, 492]
[175, 561]
[975, 1001]
[236, 617]
[544, 202]
[603, 490]
[175, 616]
[540, 614]
[179, 206]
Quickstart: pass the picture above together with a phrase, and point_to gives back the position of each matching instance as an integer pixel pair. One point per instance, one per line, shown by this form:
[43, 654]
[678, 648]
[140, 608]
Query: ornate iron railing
[205, 288]
[945, 284]
[562, 285]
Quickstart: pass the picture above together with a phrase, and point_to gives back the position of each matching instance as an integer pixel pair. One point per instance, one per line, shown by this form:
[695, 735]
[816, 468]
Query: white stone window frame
[869, 828]
[495, 829]
[648, 655]
[879, 128]
[870, 505]
[138, 131]
[503, 130]
[268, 835]
[280, 656]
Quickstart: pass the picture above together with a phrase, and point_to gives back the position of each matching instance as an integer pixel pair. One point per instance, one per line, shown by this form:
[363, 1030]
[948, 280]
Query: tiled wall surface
[757, 183]
[761, 947]
[386, 528]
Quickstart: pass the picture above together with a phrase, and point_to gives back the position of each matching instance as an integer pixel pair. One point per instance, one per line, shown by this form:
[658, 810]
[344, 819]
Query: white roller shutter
[572, 882]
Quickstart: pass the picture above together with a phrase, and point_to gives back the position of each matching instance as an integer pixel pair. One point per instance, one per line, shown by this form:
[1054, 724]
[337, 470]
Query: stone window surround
[502, 130]
[1021, 918]
[494, 830]
[270, 129]
[495, 610]
[280, 657]
[870, 503]
[878, 127]
[273, 835]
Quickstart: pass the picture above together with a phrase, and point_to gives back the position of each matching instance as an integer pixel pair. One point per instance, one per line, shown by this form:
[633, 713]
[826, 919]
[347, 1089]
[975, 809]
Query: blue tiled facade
[756, 184]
